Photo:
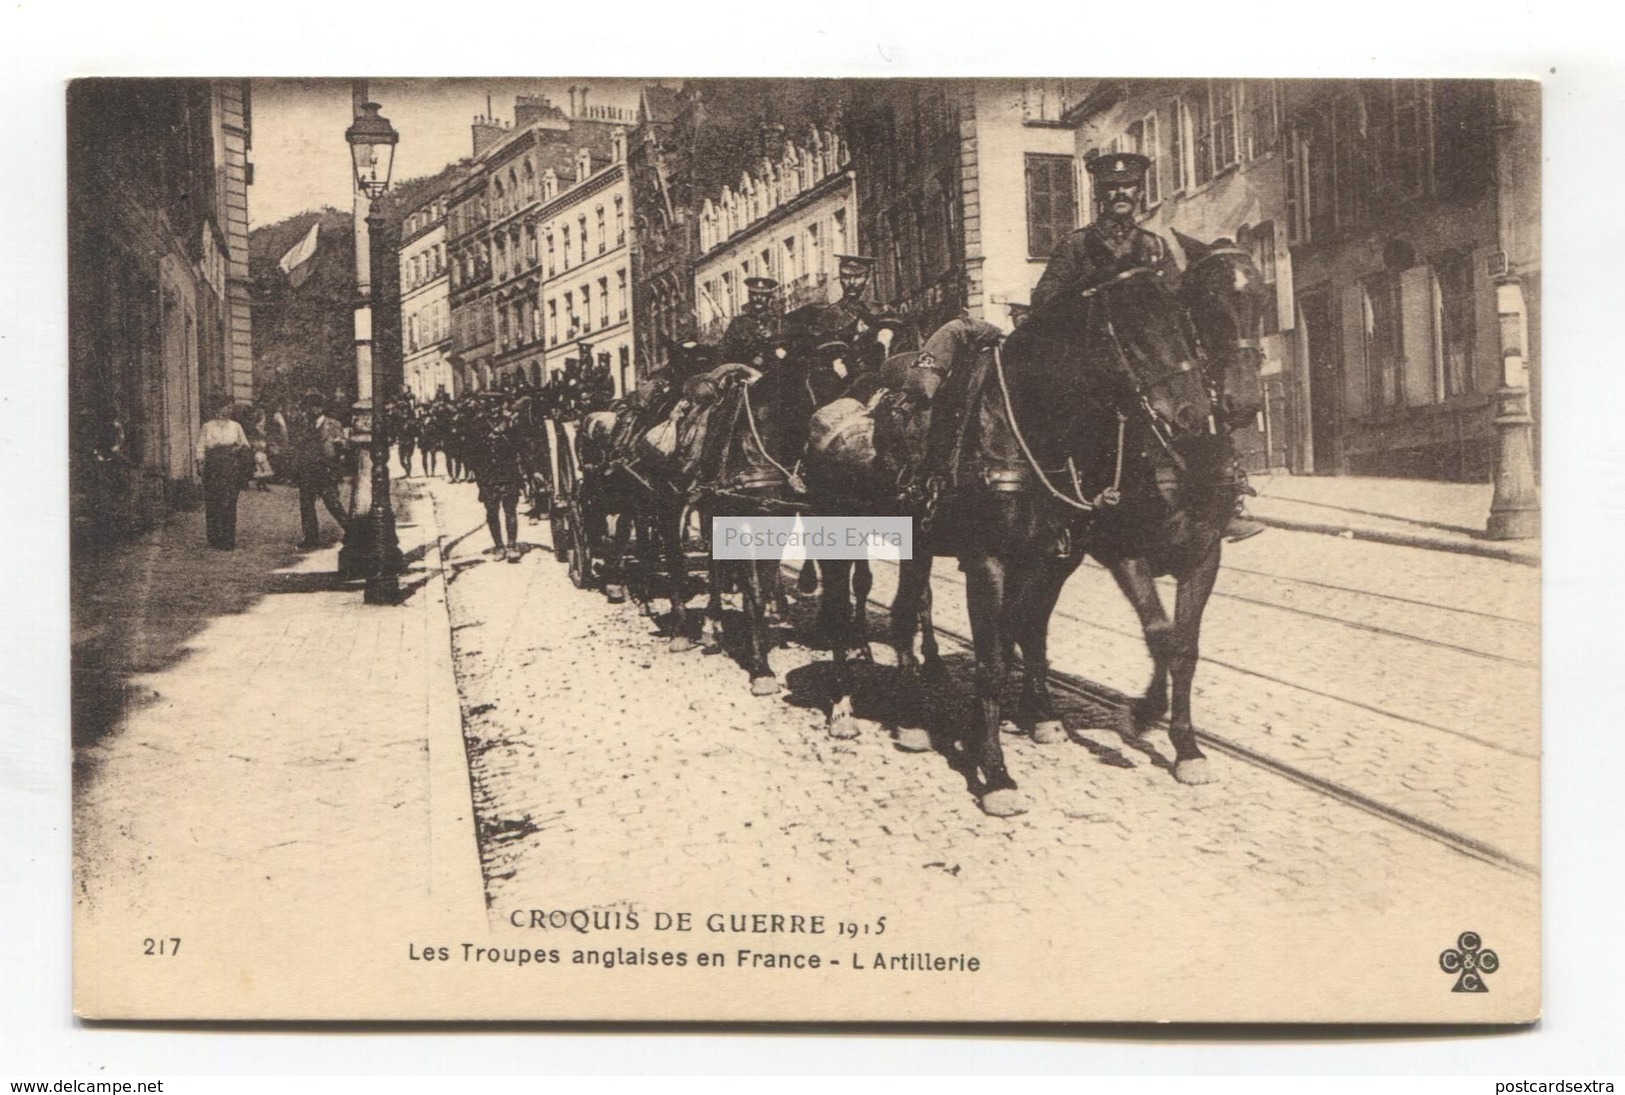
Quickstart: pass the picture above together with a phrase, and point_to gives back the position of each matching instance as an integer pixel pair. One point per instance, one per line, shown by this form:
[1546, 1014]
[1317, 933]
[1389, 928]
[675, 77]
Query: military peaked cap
[1119, 167]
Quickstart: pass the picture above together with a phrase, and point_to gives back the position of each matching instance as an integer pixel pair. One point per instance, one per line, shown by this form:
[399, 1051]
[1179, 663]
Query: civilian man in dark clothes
[316, 443]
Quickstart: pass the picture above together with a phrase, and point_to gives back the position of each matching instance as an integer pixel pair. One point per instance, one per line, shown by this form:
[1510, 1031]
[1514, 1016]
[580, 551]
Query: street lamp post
[371, 549]
[1515, 507]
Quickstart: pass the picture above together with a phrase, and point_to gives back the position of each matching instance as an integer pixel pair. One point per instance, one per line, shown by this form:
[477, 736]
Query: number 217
[170, 946]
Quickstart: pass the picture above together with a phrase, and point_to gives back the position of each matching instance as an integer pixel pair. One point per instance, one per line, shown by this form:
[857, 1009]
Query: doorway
[1325, 381]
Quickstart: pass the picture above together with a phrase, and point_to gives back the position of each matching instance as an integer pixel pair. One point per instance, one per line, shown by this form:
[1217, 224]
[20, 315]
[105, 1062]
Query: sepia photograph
[806, 549]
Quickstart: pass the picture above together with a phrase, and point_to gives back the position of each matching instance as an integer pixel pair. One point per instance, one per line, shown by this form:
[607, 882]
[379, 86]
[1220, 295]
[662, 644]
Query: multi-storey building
[787, 219]
[157, 268]
[1383, 212]
[426, 302]
[1407, 203]
[690, 143]
[538, 238]
[468, 283]
[937, 164]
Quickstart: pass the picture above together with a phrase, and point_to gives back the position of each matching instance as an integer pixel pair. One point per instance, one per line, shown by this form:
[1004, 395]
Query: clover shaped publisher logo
[1470, 961]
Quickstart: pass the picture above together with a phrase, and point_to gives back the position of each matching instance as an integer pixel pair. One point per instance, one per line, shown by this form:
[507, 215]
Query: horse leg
[909, 609]
[711, 628]
[1139, 585]
[807, 580]
[762, 680]
[677, 575]
[835, 603]
[984, 595]
[1030, 620]
[863, 580]
[615, 564]
[1190, 764]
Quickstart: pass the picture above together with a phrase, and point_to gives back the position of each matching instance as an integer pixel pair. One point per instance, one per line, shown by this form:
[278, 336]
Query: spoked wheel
[579, 559]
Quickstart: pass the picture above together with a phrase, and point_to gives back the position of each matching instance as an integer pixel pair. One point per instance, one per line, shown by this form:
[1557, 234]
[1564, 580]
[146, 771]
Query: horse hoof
[912, 739]
[616, 595]
[680, 644]
[1004, 803]
[1008, 727]
[1049, 732]
[1194, 772]
[764, 686]
[710, 646]
[1129, 726]
[843, 727]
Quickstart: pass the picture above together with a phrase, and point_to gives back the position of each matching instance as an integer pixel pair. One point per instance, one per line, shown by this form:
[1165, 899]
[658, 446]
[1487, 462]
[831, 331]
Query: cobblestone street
[609, 773]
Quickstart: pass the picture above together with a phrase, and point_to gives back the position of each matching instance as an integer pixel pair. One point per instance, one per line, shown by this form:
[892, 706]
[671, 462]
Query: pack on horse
[863, 460]
[755, 438]
[1096, 429]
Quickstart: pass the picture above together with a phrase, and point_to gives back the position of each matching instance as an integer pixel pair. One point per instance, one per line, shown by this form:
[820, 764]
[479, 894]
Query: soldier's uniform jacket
[1097, 252]
[748, 337]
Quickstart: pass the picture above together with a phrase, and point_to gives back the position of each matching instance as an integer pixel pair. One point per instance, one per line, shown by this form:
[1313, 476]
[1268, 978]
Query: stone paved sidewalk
[253, 745]
[1407, 512]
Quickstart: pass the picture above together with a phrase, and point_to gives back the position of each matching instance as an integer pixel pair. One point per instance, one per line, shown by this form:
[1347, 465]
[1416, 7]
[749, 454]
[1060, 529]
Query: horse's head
[1139, 328]
[1225, 295]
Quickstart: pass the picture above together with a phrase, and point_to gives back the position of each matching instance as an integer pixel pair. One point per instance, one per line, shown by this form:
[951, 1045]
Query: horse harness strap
[1108, 497]
[790, 477]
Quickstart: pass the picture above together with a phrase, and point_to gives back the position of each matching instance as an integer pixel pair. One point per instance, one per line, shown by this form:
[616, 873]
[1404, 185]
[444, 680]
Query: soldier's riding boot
[1242, 524]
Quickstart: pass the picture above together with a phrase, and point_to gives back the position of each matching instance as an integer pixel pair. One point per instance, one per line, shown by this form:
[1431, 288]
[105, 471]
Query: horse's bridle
[1162, 428]
[1239, 252]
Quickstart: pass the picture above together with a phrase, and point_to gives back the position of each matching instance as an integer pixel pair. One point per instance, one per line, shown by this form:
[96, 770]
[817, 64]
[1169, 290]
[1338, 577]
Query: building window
[550, 262]
[603, 302]
[603, 235]
[1264, 123]
[1408, 138]
[530, 245]
[1151, 147]
[582, 222]
[1179, 176]
[1384, 337]
[791, 271]
[1051, 203]
[620, 222]
[620, 280]
[1454, 321]
[566, 231]
[1045, 100]
[815, 252]
[1350, 163]
[1260, 243]
[840, 243]
[553, 322]
[586, 307]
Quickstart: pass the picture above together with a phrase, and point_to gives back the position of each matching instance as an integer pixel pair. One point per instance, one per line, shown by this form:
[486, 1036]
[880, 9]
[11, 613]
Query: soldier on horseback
[756, 335]
[1112, 244]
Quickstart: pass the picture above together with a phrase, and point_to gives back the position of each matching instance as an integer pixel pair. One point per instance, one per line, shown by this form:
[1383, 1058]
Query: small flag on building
[294, 263]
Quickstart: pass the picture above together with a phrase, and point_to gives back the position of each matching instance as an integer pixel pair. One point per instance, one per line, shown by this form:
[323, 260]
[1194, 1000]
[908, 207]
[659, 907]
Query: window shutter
[1356, 390]
[1416, 336]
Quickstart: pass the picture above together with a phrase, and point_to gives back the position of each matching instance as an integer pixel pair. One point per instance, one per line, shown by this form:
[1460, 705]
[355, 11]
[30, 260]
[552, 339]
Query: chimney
[583, 100]
[487, 132]
[572, 100]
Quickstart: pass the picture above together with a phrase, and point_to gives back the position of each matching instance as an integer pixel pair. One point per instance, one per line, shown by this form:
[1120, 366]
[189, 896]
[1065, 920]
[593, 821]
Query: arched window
[603, 233]
[620, 222]
[530, 180]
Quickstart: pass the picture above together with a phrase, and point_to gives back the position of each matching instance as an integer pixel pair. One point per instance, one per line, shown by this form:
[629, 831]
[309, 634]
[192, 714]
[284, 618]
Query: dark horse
[1097, 429]
[746, 467]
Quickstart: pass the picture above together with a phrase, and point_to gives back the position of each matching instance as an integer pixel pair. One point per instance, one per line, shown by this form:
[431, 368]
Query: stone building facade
[426, 303]
[962, 185]
[788, 220]
[157, 281]
[1384, 213]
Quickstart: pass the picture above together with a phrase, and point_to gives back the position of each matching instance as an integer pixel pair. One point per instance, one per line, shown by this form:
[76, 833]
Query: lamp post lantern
[371, 549]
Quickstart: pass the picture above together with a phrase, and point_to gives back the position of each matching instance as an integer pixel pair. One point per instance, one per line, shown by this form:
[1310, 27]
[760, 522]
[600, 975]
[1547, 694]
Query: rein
[791, 477]
[1108, 497]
